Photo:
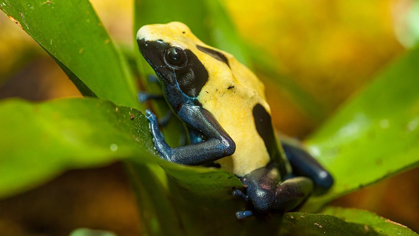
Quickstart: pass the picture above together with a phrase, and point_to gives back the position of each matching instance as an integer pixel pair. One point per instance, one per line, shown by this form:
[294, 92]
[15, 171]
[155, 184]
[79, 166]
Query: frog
[223, 105]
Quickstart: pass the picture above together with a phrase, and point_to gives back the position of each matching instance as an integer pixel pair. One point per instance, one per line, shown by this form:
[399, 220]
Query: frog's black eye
[175, 56]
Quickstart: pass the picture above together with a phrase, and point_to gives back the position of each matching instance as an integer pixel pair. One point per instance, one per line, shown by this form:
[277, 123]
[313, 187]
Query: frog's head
[178, 56]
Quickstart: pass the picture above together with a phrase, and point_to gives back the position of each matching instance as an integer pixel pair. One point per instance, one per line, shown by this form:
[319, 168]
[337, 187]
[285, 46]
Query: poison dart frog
[224, 107]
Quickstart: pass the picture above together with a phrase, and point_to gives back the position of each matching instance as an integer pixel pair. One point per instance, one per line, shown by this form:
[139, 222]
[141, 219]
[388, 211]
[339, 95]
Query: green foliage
[371, 137]
[90, 232]
[368, 219]
[374, 135]
[40, 141]
[84, 50]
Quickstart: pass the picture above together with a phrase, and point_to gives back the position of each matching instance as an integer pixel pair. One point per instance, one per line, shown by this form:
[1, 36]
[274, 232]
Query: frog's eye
[175, 56]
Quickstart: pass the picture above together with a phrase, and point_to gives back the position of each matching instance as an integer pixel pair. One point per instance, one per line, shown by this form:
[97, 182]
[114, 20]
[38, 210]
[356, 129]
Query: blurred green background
[328, 49]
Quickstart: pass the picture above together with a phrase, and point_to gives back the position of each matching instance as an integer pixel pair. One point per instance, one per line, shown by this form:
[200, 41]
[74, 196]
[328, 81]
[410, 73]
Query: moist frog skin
[224, 107]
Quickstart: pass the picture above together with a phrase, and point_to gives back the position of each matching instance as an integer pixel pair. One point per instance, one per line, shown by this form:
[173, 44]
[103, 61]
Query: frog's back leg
[303, 164]
[267, 193]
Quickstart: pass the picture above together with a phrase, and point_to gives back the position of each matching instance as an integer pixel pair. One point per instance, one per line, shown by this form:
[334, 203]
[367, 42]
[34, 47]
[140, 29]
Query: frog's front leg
[218, 143]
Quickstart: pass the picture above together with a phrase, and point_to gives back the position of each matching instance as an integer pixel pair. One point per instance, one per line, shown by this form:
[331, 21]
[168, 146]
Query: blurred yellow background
[329, 48]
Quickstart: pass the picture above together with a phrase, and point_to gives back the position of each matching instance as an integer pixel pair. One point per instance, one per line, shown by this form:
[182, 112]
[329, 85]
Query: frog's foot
[239, 193]
[243, 214]
[144, 96]
[159, 144]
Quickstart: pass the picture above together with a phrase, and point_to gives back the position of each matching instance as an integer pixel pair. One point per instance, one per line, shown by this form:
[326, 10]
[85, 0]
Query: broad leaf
[370, 220]
[72, 34]
[374, 135]
[303, 224]
[39, 141]
[199, 204]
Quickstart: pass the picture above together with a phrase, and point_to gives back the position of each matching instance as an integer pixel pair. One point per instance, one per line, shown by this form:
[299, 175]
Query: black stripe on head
[193, 77]
[215, 54]
[265, 129]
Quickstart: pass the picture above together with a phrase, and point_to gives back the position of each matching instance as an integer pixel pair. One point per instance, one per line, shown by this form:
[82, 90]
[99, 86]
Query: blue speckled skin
[217, 145]
[266, 190]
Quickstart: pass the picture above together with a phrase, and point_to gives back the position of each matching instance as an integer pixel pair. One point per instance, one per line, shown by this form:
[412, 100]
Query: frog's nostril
[142, 43]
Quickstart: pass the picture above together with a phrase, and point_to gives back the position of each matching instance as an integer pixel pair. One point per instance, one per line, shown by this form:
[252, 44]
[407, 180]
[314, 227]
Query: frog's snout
[143, 32]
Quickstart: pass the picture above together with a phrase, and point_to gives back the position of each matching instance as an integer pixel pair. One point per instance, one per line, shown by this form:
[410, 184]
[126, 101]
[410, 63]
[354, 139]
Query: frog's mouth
[153, 51]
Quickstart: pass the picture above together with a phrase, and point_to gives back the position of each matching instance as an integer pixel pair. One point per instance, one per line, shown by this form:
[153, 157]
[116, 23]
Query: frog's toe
[150, 115]
[243, 214]
[142, 97]
[239, 193]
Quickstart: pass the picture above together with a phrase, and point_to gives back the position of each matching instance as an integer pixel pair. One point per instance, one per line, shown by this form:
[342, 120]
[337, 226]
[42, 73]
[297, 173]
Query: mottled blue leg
[217, 145]
[303, 164]
[198, 137]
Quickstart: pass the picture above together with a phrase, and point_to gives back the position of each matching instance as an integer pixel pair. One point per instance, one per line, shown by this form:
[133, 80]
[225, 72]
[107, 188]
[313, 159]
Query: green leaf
[207, 19]
[374, 135]
[84, 50]
[199, 204]
[91, 232]
[192, 13]
[370, 220]
[303, 224]
[39, 141]
[224, 33]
